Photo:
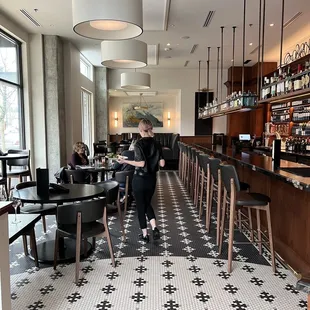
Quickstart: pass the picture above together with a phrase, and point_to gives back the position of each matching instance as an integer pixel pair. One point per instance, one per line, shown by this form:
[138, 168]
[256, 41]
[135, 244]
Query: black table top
[13, 156]
[77, 192]
[27, 221]
[263, 164]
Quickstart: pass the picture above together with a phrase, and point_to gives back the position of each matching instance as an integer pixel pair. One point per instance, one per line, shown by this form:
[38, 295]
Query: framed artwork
[133, 113]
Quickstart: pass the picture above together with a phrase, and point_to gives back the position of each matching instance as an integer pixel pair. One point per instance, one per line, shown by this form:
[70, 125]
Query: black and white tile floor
[181, 271]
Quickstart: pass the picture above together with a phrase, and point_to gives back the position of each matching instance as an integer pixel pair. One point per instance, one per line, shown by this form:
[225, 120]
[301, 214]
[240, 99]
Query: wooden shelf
[298, 94]
[231, 110]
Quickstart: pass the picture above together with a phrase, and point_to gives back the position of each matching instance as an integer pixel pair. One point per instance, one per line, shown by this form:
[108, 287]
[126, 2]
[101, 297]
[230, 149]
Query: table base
[46, 251]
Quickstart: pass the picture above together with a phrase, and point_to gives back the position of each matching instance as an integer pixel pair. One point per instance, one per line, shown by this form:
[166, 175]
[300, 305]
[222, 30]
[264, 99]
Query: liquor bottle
[274, 79]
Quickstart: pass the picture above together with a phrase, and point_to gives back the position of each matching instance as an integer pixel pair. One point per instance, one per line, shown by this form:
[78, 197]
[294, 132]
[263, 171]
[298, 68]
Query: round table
[77, 192]
[4, 158]
[103, 168]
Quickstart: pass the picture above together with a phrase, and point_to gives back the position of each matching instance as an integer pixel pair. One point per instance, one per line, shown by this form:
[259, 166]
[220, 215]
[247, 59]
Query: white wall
[74, 81]
[170, 103]
[185, 80]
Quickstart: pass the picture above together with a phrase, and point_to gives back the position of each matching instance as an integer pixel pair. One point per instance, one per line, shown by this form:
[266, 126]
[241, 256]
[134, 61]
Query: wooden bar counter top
[290, 201]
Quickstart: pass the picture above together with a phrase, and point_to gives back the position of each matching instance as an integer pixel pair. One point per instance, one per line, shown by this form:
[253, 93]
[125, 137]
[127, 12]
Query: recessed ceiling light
[271, 25]
[185, 37]
[168, 44]
[232, 60]
[250, 44]
[172, 25]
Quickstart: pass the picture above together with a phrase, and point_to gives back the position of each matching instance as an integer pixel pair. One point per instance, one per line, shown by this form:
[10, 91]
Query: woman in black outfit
[78, 157]
[148, 158]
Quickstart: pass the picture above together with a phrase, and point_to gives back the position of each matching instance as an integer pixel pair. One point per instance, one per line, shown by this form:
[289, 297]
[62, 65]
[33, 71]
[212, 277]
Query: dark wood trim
[196, 139]
[5, 207]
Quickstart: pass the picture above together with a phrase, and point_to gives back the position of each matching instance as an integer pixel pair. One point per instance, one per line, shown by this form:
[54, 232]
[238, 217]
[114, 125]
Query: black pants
[143, 189]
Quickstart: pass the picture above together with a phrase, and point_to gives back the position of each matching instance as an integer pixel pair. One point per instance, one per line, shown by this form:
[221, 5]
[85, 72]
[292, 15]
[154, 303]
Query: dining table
[77, 192]
[6, 157]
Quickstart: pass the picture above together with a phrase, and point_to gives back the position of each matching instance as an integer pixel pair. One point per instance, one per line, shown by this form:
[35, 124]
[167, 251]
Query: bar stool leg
[222, 223]
[251, 224]
[270, 238]
[208, 215]
[201, 193]
[218, 213]
[231, 235]
[259, 233]
[208, 200]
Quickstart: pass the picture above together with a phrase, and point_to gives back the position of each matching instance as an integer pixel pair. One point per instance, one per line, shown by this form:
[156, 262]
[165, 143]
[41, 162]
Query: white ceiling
[168, 21]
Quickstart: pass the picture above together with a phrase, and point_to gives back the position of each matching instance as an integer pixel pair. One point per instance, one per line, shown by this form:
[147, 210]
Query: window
[86, 68]
[87, 117]
[11, 103]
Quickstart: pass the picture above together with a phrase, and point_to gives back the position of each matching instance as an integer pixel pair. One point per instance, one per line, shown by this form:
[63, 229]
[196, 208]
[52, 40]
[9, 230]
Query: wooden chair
[235, 198]
[111, 192]
[45, 209]
[80, 221]
[3, 183]
[18, 168]
[125, 177]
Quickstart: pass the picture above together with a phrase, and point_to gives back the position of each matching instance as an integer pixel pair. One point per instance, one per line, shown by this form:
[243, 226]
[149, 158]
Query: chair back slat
[229, 172]
[110, 190]
[121, 176]
[205, 160]
[214, 167]
[91, 211]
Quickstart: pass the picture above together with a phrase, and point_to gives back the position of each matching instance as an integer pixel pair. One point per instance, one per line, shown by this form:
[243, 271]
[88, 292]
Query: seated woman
[78, 157]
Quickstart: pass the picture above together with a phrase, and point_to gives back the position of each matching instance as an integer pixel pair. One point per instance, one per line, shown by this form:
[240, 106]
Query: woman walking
[148, 158]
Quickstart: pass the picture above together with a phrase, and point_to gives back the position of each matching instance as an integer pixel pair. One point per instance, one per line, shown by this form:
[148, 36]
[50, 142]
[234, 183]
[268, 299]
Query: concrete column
[101, 104]
[54, 103]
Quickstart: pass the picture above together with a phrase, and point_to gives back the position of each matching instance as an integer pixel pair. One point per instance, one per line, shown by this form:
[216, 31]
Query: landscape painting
[133, 113]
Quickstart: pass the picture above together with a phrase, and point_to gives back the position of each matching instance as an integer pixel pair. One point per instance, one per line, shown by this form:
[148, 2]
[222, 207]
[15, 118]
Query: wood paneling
[205, 140]
[247, 122]
[290, 213]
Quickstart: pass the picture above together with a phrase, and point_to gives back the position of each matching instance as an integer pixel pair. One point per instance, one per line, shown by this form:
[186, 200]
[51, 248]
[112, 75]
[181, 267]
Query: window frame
[90, 116]
[20, 85]
[90, 70]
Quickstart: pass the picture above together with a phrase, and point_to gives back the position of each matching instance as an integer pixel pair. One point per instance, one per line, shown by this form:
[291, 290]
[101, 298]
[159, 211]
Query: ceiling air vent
[247, 61]
[30, 18]
[186, 63]
[208, 19]
[193, 49]
[290, 21]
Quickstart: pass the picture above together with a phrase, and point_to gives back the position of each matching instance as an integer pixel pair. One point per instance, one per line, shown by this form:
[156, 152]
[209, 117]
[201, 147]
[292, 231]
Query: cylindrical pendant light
[107, 20]
[130, 54]
[135, 80]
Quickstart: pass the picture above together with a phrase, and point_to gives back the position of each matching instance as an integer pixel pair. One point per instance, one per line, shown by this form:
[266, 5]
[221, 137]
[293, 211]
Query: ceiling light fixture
[251, 44]
[129, 54]
[135, 80]
[168, 44]
[271, 25]
[107, 20]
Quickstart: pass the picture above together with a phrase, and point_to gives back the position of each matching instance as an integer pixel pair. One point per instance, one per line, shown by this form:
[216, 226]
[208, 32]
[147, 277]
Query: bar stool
[188, 167]
[235, 198]
[184, 161]
[193, 172]
[180, 144]
[205, 183]
[199, 178]
[216, 194]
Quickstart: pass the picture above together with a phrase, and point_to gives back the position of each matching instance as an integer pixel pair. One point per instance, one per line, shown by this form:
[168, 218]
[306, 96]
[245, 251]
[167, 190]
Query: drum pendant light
[135, 80]
[107, 19]
[130, 54]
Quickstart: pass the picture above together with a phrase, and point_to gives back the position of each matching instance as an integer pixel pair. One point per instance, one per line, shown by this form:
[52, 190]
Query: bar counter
[290, 201]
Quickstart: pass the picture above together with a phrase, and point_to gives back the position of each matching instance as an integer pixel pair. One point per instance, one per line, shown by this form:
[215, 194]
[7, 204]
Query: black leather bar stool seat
[251, 199]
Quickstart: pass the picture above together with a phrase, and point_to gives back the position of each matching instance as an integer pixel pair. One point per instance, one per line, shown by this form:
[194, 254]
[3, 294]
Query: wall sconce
[168, 118]
[115, 119]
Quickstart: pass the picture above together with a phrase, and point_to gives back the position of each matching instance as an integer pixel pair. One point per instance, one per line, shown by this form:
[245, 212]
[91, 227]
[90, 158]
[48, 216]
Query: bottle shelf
[298, 94]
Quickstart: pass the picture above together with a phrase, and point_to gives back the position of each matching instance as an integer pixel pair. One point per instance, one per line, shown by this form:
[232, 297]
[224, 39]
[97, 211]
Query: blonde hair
[146, 126]
[77, 146]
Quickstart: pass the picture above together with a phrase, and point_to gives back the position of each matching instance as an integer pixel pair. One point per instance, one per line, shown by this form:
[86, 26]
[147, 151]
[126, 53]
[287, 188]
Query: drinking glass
[16, 204]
